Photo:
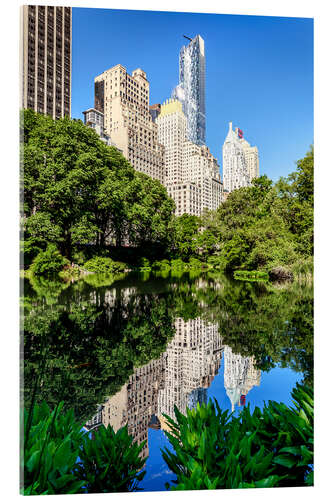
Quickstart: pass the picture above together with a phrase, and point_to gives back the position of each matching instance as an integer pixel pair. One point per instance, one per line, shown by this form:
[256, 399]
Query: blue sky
[259, 72]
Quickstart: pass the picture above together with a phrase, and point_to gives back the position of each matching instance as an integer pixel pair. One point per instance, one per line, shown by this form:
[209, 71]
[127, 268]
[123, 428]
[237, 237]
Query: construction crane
[187, 38]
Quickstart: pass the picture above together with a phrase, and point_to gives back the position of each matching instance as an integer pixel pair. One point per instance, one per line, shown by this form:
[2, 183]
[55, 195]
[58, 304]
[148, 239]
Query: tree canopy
[78, 190]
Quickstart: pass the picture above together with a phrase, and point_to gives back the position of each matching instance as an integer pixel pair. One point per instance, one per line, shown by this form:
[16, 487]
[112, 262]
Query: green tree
[149, 212]
[64, 164]
[186, 236]
[77, 190]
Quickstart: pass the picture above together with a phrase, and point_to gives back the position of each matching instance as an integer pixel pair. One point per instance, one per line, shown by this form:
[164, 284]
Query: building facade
[124, 101]
[172, 133]
[235, 173]
[191, 90]
[46, 58]
[154, 111]
[251, 159]
[192, 174]
[202, 169]
[95, 120]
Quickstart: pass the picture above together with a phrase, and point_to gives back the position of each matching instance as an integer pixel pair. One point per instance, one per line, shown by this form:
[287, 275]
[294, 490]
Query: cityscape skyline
[293, 107]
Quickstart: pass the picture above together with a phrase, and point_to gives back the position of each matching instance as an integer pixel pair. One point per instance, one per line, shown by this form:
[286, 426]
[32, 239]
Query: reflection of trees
[92, 339]
[275, 325]
[90, 348]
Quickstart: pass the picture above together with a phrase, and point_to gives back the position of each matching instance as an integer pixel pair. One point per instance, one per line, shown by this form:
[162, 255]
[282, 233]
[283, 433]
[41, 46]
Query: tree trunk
[68, 246]
[118, 239]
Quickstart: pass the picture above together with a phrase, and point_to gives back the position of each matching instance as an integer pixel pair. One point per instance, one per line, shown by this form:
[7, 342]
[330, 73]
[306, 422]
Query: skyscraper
[235, 173]
[191, 90]
[251, 159]
[172, 133]
[192, 173]
[46, 38]
[124, 101]
[135, 404]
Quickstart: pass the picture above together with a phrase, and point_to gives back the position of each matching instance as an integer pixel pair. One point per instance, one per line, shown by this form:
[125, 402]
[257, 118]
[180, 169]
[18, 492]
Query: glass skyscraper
[191, 90]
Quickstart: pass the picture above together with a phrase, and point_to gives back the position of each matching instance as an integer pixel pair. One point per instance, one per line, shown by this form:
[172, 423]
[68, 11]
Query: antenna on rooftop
[187, 38]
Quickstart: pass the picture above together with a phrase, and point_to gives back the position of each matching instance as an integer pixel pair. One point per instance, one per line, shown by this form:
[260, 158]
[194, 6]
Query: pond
[126, 351]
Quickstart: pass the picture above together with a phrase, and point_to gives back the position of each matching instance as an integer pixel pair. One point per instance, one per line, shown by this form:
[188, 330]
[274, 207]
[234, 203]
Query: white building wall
[235, 172]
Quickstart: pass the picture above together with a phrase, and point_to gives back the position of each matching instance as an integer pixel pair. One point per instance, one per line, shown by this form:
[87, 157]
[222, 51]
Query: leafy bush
[161, 264]
[215, 261]
[144, 263]
[79, 257]
[104, 265]
[58, 457]
[49, 262]
[110, 462]
[51, 442]
[177, 263]
[195, 263]
[251, 275]
[271, 447]
[303, 267]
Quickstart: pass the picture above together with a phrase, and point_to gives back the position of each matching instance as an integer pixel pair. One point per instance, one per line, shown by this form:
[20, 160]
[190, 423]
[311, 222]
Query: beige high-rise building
[124, 101]
[202, 168]
[46, 59]
[251, 159]
[172, 133]
[192, 173]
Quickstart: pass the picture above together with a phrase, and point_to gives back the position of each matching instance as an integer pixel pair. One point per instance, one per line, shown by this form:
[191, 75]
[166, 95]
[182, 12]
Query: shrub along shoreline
[105, 267]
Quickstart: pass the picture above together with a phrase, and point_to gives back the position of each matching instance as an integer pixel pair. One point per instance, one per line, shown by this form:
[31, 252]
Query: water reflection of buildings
[179, 377]
[193, 358]
[135, 405]
[240, 375]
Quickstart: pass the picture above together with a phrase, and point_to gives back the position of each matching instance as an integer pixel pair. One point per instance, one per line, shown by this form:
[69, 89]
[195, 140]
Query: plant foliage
[49, 262]
[270, 447]
[104, 265]
[50, 449]
[58, 457]
[110, 462]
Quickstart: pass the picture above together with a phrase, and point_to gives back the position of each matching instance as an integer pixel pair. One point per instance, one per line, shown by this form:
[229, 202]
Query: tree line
[82, 195]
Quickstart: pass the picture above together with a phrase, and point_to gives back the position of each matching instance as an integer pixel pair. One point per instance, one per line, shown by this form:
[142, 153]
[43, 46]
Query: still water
[126, 352]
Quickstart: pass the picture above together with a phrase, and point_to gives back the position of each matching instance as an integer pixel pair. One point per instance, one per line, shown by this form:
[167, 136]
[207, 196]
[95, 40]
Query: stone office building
[124, 101]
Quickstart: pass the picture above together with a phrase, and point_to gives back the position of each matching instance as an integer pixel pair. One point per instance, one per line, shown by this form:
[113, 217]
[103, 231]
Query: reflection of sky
[276, 384]
[157, 471]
